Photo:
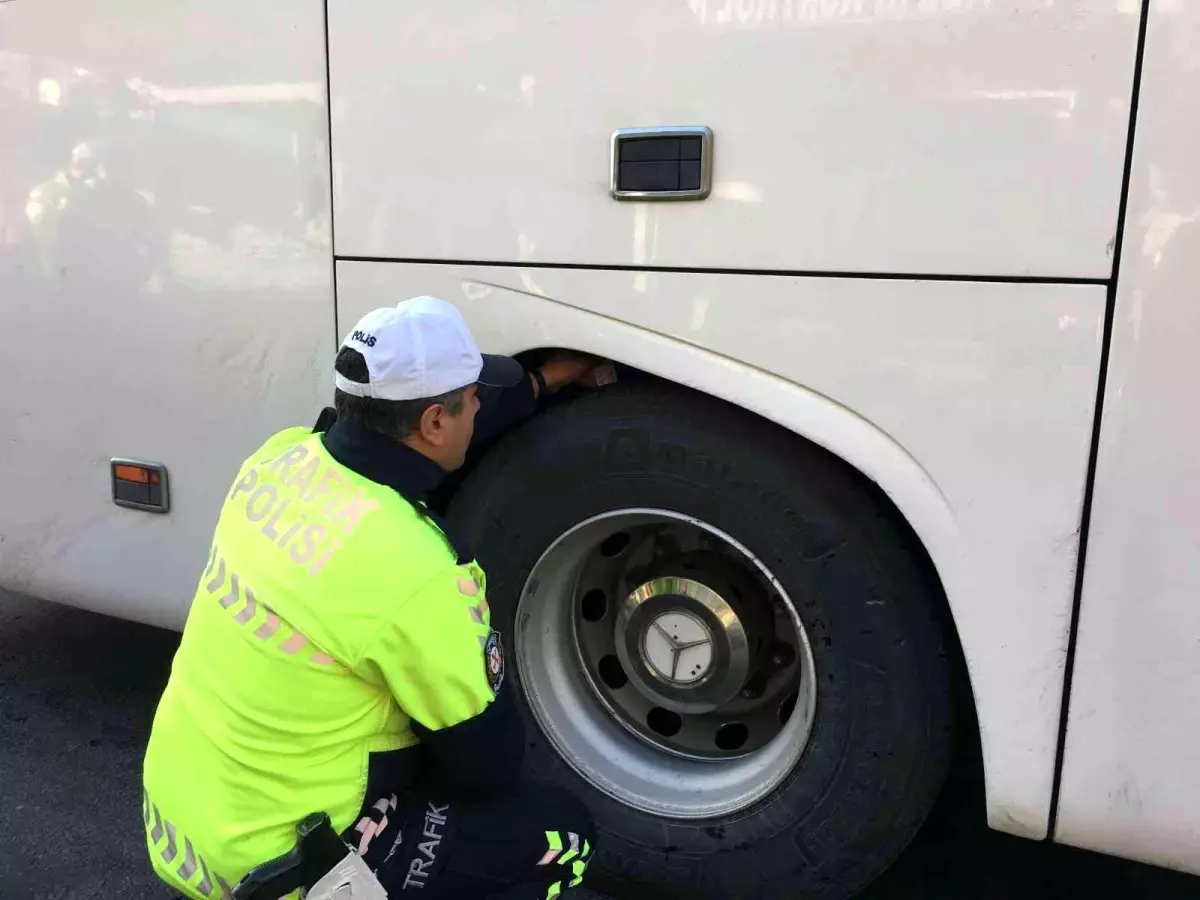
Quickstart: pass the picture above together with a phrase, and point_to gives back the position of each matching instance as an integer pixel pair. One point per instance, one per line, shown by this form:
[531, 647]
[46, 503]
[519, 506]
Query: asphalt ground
[77, 694]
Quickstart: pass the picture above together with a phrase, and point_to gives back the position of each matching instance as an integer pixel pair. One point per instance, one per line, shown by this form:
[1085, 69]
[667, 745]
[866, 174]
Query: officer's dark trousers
[533, 844]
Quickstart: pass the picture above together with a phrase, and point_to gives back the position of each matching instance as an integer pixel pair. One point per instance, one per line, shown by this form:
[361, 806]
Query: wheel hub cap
[678, 648]
[684, 647]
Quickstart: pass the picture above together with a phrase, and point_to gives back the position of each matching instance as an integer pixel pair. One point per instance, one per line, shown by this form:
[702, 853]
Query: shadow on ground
[77, 695]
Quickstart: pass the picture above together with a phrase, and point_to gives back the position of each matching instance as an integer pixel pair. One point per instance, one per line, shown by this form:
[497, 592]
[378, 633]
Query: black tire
[881, 741]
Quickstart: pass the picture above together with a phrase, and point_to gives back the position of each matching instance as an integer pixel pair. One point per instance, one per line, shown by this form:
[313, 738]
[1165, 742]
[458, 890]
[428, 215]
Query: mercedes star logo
[678, 647]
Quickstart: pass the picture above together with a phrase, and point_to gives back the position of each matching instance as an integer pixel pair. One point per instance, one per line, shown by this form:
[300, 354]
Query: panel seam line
[709, 270]
[337, 331]
[1085, 518]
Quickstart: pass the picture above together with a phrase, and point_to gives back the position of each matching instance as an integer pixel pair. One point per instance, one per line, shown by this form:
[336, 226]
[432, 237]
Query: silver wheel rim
[599, 730]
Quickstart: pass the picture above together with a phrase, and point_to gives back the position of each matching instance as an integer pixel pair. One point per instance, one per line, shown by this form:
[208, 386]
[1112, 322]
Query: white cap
[421, 348]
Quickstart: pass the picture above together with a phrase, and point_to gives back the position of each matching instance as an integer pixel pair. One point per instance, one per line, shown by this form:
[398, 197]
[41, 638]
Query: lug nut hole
[594, 605]
[664, 722]
[614, 544]
[732, 736]
[611, 672]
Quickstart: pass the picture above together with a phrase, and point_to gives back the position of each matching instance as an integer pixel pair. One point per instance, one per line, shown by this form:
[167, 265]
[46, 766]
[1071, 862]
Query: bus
[899, 295]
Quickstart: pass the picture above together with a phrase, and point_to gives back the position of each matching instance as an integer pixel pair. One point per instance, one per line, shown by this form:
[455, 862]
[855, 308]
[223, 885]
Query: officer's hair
[395, 418]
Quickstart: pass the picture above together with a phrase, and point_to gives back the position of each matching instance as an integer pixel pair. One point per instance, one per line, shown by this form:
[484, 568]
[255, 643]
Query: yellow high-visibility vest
[330, 616]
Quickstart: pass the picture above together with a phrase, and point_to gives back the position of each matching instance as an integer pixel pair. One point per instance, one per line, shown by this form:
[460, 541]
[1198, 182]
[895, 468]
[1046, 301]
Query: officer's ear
[432, 425]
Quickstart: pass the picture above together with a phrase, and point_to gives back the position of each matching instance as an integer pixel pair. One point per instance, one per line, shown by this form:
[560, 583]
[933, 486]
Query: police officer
[338, 655]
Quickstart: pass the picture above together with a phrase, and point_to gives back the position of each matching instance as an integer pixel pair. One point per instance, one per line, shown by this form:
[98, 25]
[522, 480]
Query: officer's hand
[570, 368]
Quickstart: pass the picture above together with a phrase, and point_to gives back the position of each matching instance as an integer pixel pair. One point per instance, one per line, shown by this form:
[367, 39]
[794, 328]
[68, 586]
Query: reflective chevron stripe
[205, 886]
[373, 824]
[555, 890]
[170, 851]
[231, 597]
[192, 862]
[573, 851]
[250, 610]
[294, 644]
[219, 579]
[156, 833]
[366, 827]
[577, 869]
[248, 614]
[573, 856]
[188, 869]
[270, 627]
[554, 847]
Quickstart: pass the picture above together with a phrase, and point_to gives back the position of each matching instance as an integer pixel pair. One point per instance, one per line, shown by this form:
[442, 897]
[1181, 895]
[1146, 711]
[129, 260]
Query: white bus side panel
[1131, 777]
[977, 137]
[970, 404]
[165, 276]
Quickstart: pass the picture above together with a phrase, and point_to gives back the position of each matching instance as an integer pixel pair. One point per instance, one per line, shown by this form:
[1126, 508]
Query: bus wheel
[724, 640]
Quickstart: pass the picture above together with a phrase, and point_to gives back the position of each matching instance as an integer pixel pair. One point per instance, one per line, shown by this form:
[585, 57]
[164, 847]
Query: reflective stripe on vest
[209, 885]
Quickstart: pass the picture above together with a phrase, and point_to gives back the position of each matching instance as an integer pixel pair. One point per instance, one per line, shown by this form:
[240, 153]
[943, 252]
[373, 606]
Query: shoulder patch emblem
[493, 660]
